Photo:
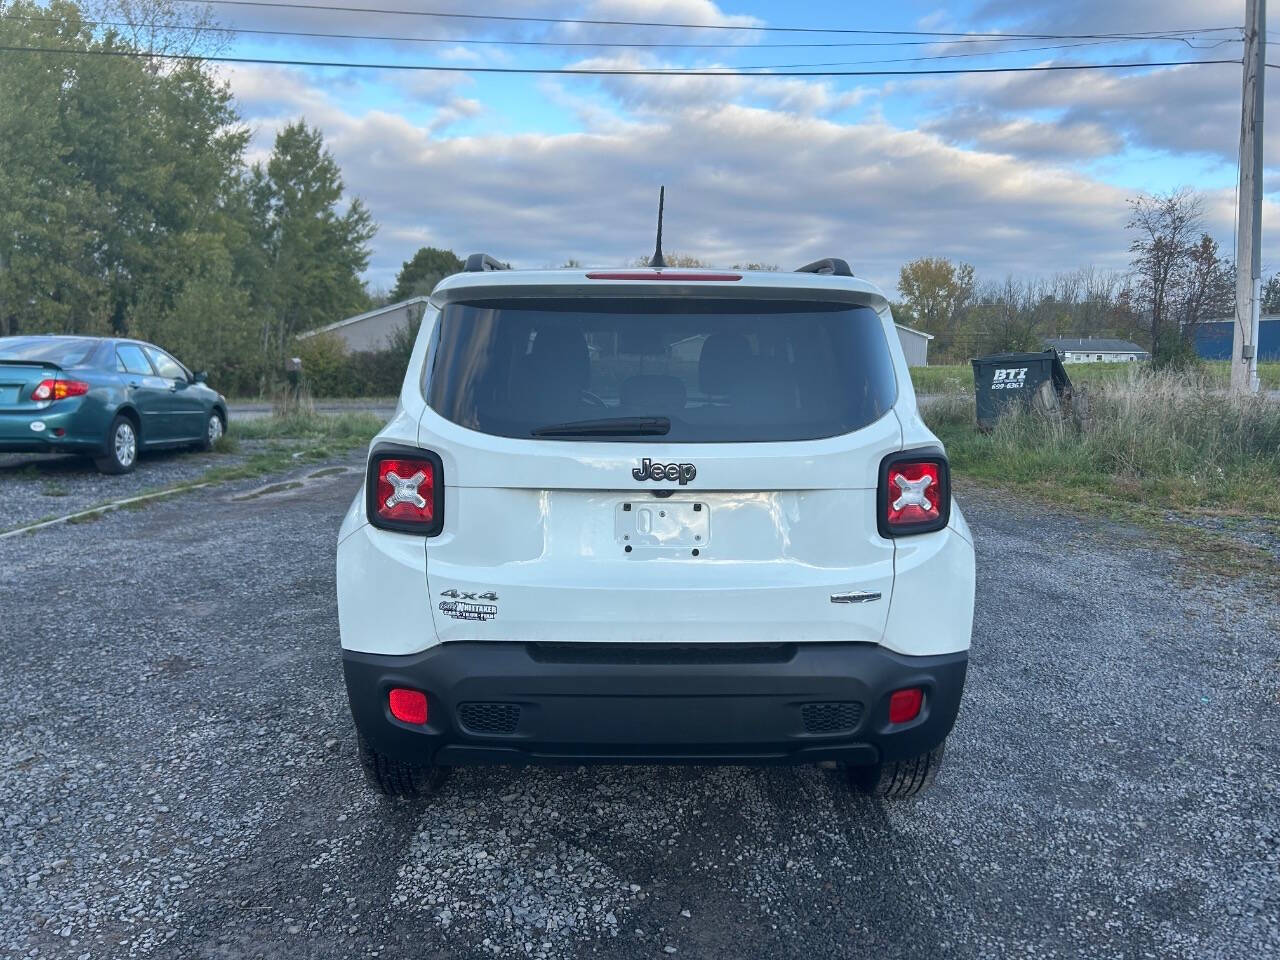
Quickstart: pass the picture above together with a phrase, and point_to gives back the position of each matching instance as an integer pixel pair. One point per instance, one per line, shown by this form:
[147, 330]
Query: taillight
[408, 706]
[405, 490]
[59, 389]
[914, 494]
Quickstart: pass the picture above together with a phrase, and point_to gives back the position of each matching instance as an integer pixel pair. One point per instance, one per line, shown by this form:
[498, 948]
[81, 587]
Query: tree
[672, 260]
[420, 274]
[1208, 285]
[111, 172]
[1166, 226]
[313, 253]
[936, 292]
[1270, 296]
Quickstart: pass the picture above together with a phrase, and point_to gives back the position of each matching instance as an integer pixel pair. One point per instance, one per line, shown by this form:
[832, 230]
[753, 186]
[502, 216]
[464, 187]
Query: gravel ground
[37, 486]
[178, 775]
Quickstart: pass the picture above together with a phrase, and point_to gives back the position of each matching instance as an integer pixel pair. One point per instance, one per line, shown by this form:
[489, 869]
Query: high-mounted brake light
[59, 389]
[914, 495]
[659, 275]
[405, 490]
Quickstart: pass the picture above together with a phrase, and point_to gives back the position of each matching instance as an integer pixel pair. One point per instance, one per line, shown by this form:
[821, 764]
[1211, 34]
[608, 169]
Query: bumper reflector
[409, 706]
[904, 705]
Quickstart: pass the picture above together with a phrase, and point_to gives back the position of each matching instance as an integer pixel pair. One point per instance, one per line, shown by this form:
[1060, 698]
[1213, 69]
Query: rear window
[715, 370]
[71, 352]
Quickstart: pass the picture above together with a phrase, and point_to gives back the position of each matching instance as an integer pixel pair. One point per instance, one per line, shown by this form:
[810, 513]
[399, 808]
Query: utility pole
[1244, 347]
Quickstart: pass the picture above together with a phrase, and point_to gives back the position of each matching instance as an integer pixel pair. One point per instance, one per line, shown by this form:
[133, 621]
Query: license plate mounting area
[662, 525]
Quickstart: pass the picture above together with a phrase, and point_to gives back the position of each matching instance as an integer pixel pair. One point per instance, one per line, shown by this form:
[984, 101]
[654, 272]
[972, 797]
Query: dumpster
[1036, 380]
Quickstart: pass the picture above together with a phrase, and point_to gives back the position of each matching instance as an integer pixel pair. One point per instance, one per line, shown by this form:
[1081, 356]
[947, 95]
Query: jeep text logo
[648, 470]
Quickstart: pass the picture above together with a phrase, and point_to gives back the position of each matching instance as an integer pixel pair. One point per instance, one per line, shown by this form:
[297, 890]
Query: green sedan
[104, 397]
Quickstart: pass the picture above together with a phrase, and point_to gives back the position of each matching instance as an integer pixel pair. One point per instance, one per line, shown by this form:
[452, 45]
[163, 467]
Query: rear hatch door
[660, 470]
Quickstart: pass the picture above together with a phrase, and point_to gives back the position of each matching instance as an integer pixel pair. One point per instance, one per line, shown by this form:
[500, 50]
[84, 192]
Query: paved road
[178, 778]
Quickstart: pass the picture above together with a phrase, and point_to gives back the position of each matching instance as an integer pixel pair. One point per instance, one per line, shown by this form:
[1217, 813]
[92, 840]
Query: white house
[372, 331]
[1096, 350]
[915, 345]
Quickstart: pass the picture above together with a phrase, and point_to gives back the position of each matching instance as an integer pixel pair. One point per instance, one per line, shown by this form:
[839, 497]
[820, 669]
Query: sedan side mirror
[202, 376]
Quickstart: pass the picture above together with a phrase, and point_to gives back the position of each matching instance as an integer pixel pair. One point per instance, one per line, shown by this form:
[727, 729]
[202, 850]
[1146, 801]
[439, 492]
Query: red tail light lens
[914, 494]
[408, 706]
[405, 491]
[904, 705]
[59, 389]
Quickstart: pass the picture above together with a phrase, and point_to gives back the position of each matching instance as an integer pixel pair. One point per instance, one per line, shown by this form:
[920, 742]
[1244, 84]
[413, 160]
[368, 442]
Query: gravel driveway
[178, 775]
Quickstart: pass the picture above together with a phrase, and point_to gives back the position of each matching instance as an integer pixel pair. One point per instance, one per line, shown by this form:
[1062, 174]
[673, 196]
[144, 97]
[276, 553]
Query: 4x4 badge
[648, 470]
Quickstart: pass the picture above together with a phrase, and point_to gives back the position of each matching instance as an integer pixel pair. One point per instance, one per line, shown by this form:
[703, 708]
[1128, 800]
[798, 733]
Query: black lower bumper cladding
[506, 702]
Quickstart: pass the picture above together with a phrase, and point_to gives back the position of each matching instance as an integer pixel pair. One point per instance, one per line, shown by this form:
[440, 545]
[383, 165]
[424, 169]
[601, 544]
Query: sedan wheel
[213, 431]
[122, 447]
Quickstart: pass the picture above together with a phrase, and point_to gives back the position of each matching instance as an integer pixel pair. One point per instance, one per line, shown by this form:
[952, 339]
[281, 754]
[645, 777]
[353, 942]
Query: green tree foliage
[126, 205]
[313, 252]
[423, 271]
[936, 293]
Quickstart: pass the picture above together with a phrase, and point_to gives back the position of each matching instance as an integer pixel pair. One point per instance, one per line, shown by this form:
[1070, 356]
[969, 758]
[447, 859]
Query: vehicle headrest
[722, 361]
[561, 352]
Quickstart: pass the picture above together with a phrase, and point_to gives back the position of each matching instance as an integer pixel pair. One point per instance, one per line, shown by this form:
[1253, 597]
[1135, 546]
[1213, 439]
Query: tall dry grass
[1176, 437]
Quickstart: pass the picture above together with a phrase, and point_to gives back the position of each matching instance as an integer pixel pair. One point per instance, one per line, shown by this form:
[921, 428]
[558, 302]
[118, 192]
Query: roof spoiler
[480, 262]
[47, 364]
[829, 266]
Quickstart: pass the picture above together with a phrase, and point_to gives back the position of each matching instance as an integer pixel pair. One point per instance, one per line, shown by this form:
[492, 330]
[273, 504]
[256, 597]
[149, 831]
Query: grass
[1158, 438]
[1156, 449]
[958, 377]
[339, 429]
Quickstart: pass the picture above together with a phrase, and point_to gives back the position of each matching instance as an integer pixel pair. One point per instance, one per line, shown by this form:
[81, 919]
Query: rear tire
[395, 778]
[122, 447]
[898, 779]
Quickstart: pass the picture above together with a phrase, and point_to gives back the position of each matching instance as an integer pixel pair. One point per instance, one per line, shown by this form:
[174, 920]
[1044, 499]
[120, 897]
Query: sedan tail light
[914, 495]
[59, 389]
[404, 490]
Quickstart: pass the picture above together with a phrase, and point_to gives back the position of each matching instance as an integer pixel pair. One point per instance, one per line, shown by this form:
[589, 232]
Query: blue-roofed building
[1214, 339]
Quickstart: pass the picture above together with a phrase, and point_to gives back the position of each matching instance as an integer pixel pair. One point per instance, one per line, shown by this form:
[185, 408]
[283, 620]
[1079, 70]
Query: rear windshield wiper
[609, 426]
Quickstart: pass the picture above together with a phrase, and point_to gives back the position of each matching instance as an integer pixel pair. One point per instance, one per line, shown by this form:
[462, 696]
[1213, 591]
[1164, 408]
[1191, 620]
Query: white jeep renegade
[651, 516]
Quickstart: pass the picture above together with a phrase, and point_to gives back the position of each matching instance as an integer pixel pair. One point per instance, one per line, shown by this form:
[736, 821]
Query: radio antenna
[657, 262]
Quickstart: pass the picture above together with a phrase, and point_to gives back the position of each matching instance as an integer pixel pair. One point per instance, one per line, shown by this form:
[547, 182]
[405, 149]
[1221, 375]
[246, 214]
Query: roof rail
[831, 266]
[480, 262]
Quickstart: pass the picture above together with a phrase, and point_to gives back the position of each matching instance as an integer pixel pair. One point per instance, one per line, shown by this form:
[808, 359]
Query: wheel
[122, 447]
[395, 778]
[898, 779]
[213, 431]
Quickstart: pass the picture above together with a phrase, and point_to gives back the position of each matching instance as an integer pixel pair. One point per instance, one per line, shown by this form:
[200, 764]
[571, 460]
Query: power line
[462, 41]
[610, 71]
[584, 21]
[775, 66]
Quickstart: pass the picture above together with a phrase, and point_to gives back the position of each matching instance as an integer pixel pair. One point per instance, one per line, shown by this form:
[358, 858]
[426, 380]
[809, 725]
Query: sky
[1023, 174]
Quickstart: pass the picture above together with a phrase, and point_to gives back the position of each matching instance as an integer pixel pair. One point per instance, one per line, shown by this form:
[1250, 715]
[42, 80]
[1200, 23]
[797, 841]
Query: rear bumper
[502, 702]
[17, 435]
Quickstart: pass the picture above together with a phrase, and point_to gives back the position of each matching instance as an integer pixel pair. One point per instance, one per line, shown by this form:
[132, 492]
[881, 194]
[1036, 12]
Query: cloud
[744, 183]
[995, 170]
[1182, 110]
[1052, 141]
